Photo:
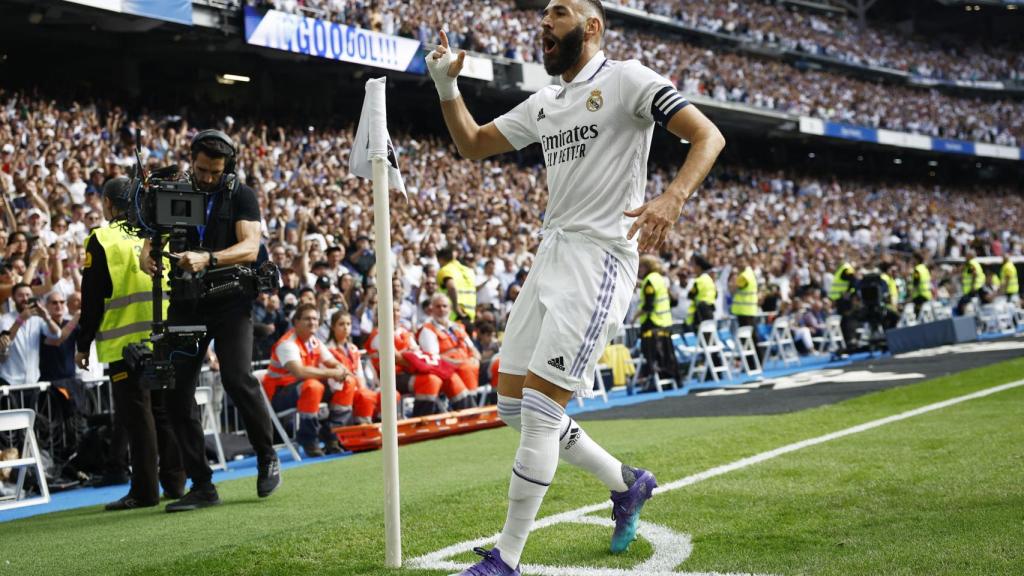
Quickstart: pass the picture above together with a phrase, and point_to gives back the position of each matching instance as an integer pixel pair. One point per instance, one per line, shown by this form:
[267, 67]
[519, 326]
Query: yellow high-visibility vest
[706, 294]
[1008, 275]
[744, 301]
[894, 291]
[973, 276]
[840, 286]
[128, 312]
[465, 286]
[923, 284]
[661, 315]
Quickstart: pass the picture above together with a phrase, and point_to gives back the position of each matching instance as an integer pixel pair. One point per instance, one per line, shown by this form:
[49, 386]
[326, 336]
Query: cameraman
[231, 236]
[116, 315]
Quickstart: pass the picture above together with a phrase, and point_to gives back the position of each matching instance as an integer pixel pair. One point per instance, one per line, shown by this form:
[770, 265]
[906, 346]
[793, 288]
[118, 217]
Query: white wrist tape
[447, 87]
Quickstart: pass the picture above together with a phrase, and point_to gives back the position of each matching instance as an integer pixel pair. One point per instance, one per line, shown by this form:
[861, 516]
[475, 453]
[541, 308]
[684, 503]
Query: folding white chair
[275, 418]
[204, 399]
[1004, 318]
[780, 344]
[708, 346]
[23, 420]
[940, 311]
[908, 318]
[749, 362]
[927, 313]
[834, 339]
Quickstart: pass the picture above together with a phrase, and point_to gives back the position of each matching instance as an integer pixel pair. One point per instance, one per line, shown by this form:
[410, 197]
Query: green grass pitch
[939, 493]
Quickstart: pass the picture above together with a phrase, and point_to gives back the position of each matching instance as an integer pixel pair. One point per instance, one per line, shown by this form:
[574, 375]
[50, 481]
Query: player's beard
[568, 52]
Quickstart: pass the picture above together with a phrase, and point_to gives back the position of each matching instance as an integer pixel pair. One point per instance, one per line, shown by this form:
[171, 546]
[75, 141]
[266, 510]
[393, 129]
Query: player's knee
[540, 413]
[510, 411]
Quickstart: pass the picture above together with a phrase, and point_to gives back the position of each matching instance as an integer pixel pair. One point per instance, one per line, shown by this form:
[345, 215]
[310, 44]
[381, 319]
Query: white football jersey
[595, 133]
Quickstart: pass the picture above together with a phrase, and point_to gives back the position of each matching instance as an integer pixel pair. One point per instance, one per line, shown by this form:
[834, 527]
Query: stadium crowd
[792, 228]
[497, 28]
[838, 36]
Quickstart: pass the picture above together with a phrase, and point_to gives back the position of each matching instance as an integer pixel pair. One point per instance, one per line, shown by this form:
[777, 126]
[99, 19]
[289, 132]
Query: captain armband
[666, 103]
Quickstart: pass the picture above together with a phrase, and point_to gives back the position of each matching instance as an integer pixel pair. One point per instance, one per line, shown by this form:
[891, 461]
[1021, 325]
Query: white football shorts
[572, 304]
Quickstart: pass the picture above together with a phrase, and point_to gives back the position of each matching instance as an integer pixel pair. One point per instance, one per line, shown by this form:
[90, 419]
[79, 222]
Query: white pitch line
[438, 560]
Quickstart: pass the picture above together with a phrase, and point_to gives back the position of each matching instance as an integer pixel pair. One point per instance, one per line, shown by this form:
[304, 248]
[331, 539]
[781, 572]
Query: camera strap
[209, 210]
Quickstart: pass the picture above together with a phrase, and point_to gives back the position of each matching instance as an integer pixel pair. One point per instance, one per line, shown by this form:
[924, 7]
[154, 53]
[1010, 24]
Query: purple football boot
[491, 565]
[626, 506]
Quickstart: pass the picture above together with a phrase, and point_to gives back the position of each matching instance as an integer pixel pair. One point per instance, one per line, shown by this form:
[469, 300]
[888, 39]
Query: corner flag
[372, 137]
[373, 156]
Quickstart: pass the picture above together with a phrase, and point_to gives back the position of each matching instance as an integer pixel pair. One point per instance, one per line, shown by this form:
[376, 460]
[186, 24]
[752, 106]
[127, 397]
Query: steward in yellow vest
[920, 283]
[744, 297]
[117, 308]
[655, 318]
[459, 283]
[842, 283]
[1008, 277]
[703, 294]
[972, 280]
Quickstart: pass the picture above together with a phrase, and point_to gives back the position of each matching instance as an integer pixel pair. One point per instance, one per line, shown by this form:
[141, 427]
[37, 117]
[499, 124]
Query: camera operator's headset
[228, 181]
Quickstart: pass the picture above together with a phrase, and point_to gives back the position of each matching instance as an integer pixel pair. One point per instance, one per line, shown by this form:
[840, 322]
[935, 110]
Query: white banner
[315, 37]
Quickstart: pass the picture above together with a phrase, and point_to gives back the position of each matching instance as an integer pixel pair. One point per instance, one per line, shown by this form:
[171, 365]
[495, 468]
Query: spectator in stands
[301, 373]
[269, 323]
[57, 366]
[486, 342]
[21, 337]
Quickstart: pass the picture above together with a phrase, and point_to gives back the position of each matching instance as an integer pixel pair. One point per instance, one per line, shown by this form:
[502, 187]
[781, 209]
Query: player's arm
[473, 141]
[657, 217]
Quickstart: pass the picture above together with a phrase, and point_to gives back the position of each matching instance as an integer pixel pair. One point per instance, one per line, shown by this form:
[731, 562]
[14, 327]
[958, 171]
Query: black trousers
[659, 355]
[143, 416]
[230, 325]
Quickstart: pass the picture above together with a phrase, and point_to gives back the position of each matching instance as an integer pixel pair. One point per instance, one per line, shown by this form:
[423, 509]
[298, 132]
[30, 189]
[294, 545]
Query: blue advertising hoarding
[324, 39]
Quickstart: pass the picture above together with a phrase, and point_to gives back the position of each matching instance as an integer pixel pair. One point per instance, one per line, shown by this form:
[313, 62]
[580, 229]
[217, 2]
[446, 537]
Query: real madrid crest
[595, 101]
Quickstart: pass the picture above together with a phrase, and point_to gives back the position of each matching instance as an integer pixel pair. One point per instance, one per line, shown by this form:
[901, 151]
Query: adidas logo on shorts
[557, 363]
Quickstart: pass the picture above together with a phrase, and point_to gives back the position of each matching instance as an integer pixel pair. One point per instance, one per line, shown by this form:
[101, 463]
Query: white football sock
[509, 410]
[534, 468]
[577, 447]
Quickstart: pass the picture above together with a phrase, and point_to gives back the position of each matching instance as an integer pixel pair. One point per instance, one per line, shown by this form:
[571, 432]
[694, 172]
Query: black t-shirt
[220, 226]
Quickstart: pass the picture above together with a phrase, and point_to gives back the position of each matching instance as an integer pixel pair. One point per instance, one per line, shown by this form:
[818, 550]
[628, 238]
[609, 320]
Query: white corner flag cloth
[372, 139]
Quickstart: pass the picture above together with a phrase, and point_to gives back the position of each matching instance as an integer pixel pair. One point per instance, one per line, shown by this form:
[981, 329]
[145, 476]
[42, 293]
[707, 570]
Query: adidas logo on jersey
[557, 363]
[540, 115]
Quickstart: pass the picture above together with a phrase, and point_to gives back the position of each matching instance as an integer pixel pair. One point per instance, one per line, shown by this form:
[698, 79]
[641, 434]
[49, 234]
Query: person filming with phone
[21, 337]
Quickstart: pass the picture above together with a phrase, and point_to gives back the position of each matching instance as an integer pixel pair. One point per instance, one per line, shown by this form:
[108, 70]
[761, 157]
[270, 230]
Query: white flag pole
[386, 323]
[378, 152]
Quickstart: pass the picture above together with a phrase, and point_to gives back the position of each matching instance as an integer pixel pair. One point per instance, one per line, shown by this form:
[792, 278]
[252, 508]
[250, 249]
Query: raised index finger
[444, 39]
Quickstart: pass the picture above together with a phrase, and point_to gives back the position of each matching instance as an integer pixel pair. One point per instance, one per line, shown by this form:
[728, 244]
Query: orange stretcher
[366, 437]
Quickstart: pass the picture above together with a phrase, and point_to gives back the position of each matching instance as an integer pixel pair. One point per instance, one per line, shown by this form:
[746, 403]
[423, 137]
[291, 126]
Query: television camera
[164, 208]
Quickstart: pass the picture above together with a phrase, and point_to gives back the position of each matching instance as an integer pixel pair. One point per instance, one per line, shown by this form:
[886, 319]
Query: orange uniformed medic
[365, 403]
[426, 387]
[449, 339]
[300, 364]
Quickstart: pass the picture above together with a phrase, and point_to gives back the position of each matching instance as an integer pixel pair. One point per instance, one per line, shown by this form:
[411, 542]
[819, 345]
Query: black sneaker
[312, 449]
[269, 477]
[197, 497]
[127, 502]
[332, 446]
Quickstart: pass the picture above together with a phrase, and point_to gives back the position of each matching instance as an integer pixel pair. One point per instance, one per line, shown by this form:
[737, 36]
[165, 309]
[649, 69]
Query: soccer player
[595, 130]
